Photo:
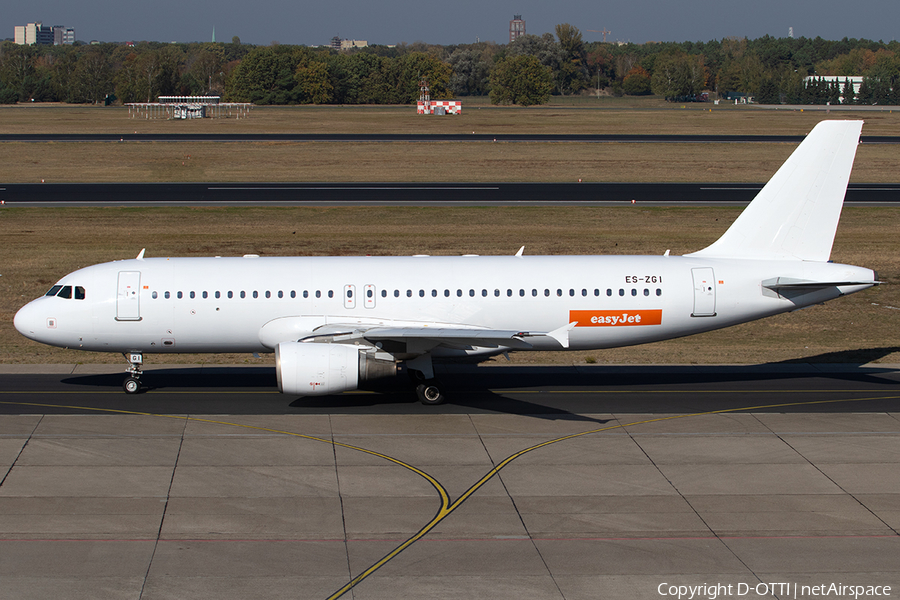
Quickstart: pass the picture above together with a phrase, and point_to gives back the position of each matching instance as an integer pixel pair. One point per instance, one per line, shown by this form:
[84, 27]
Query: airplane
[334, 322]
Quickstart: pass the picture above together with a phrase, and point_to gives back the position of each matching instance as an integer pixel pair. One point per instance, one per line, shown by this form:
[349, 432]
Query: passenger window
[193, 295]
[318, 293]
[293, 293]
[330, 294]
[584, 292]
[153, 295]
[167, 295]
[305, 294]
[559, 292]
[181, 295]
[596, 291]
[609, 292]
[508, 293]
[547, 292]
[255, 294]
[446, 293]
[471, 293]
[243, 294]
[218, 294]
[349, 293]
[268, 294]
[396, 293]
[434, 293]
[621, 292]
[533, 292]
[369, 293]
[646, 292]
[633, 292]
[54, 290]
[205, 295]
[521, 292]
[280, 294]
[496, 293]
[384, 293]
[459, 293]
[421, 293]
[79, 293]
[571, 292]
[484, 293]
[658, 292]
[409, 293]
[230, 294]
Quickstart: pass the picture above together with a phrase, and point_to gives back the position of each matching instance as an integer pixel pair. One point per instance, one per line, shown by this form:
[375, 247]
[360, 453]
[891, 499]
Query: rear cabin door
[128, 298]
[704, 292]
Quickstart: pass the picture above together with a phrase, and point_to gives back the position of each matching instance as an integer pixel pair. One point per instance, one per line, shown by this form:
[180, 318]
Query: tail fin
[795, 216]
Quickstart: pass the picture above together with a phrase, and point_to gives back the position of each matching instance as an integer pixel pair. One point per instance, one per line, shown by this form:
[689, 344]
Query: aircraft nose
[28, 320]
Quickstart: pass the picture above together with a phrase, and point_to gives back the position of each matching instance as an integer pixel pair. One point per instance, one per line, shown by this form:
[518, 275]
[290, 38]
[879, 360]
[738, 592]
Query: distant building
[855, 82]
[335, 43]
[37, 33]
[348, 44]
[63, 36]
[516, 28]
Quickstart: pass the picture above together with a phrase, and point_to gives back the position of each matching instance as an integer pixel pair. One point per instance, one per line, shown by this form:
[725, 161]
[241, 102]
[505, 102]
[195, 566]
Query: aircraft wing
[418, 338]
[428, 336]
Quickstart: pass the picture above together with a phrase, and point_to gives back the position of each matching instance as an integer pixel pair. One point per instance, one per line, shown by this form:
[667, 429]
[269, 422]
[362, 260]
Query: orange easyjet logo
[615, 318]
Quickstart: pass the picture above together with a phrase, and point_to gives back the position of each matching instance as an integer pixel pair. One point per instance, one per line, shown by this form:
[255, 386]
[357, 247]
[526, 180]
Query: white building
[36, 33]
[855, 81]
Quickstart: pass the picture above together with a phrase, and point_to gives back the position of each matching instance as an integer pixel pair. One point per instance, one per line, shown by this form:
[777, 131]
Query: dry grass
[399, 162]
[41, 245]
[606, 116]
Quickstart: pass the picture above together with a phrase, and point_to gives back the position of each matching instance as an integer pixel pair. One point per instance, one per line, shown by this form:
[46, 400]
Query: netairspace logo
[712, 591]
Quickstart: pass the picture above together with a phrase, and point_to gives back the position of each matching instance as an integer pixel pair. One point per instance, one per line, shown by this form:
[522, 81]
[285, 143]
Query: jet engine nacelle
[313, 369]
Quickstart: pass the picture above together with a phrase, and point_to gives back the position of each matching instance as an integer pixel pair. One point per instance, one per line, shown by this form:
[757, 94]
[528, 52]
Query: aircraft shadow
[556, 392]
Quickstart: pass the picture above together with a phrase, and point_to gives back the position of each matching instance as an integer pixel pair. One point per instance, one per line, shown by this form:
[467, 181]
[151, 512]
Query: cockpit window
[65, 292]
[79, 292]
[54, 290]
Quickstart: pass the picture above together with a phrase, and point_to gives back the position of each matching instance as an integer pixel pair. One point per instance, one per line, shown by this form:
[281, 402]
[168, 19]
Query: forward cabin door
[128, 297]
[704, 292]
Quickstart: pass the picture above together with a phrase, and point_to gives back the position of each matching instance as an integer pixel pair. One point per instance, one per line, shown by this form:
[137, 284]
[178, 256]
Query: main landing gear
[132, 383]
[428, 392]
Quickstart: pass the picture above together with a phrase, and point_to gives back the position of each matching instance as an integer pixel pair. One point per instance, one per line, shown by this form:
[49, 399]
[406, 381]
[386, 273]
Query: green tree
[572, 74]
[678, 76]
[93, 76]
[637, 82]
[313, 82]
[520, 80]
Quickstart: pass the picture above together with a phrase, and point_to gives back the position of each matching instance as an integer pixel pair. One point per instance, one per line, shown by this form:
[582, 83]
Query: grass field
[403, 161]
[41, 245]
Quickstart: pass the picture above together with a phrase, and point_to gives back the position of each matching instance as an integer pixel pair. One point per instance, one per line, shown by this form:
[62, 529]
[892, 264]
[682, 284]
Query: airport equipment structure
[427, 106]
[189, 107]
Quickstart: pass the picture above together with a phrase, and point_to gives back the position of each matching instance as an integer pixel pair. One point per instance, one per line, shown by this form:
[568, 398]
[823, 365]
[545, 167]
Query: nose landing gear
[132, 383]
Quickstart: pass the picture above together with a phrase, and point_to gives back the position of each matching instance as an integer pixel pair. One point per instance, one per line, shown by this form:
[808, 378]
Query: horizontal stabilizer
[795, 216]
[788, 283]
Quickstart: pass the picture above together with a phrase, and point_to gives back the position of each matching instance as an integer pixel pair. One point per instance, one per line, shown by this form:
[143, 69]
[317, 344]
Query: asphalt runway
[417, 194]
[530, 483]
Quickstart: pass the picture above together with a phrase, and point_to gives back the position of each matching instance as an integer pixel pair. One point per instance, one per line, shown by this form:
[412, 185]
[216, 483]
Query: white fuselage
[161, 305]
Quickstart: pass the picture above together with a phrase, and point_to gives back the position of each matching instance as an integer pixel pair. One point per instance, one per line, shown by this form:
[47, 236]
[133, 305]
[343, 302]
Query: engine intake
[313, 369]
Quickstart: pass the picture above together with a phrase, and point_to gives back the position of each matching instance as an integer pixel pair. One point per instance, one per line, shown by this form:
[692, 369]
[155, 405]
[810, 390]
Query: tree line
[526, 71]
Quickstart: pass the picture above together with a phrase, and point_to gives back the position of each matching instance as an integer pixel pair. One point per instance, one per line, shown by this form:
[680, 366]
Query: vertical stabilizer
[795, 216]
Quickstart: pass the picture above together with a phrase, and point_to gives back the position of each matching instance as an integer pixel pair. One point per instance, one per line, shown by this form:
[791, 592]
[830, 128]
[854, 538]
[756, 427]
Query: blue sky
[453, 22]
